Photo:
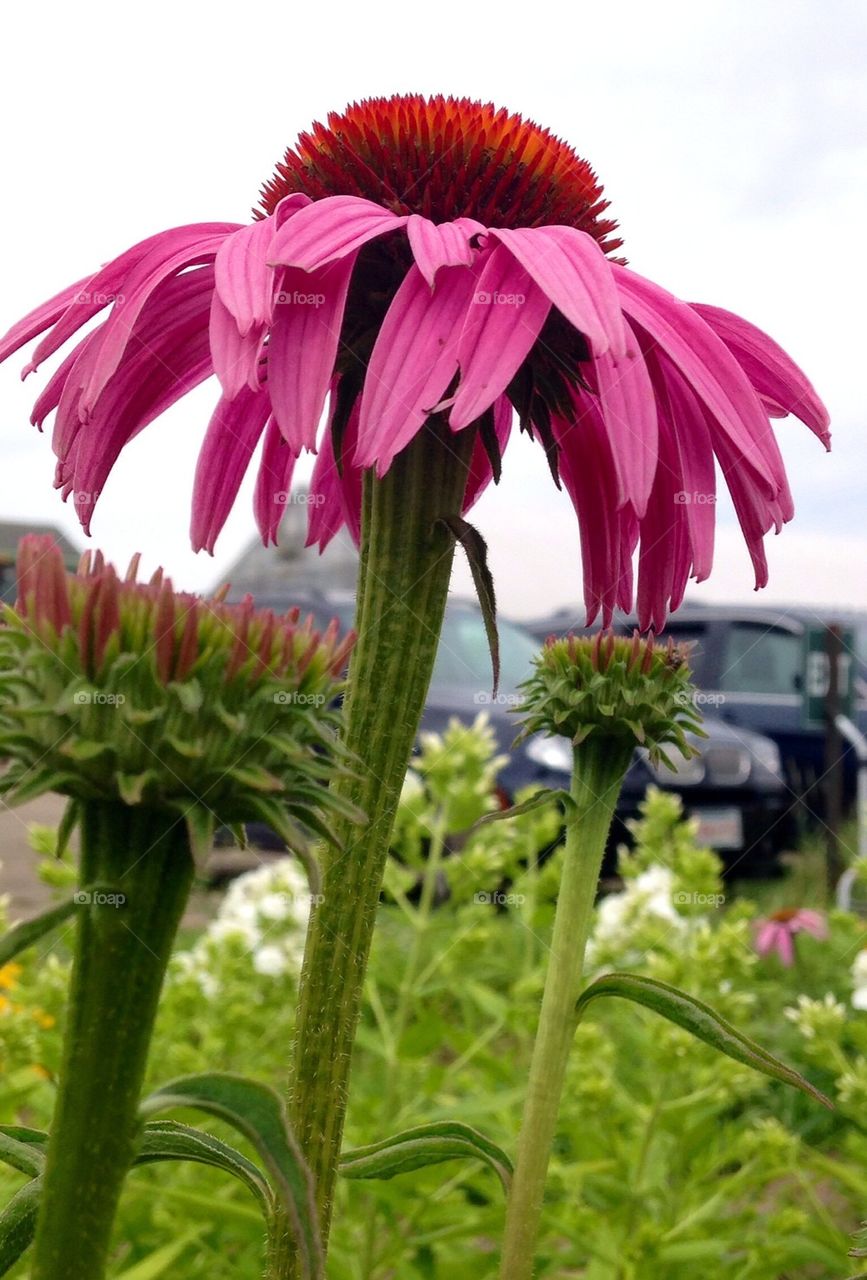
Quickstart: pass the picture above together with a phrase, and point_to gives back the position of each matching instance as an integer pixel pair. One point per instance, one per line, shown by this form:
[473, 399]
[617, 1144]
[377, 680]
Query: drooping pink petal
[230, 439]
[168, 356]
[179, 250]
[771, 371]
[696, 493]
[588, 475]
[505, 318]
[40, 319]
[329, 229]
[665, 555]
[629, 410]
[243, 279]
[237, 358]
[784, 946]
[766, 937]
[445, 244]
[811, 921]
[709, 368]
[273, 483]
[305, 334]
[414, 359]
[334, 498]
[574, 273]
[481, 473]
[110, 285]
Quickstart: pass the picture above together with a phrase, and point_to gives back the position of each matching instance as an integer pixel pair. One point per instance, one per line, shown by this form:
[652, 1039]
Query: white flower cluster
[816, 1019]
[264, 916]
[620, 915]
[859, 981]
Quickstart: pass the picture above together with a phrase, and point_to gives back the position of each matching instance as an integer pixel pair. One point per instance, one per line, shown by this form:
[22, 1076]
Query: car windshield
[464, 658]
[761, 659]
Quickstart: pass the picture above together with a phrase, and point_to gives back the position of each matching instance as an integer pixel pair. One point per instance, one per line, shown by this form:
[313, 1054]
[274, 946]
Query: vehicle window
[464, 660]
[759, 659]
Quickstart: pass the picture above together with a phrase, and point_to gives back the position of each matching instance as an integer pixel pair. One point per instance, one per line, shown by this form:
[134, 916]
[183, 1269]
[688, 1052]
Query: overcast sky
[731, 137]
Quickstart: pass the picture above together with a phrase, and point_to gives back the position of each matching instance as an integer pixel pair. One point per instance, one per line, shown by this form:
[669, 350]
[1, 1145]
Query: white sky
[731, 137]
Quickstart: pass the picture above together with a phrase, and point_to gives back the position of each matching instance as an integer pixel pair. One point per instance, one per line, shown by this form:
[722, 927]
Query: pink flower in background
[778, 932]
[418, 256]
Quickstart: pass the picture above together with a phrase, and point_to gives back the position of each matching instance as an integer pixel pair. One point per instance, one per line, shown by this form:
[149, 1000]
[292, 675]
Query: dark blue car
[734, 788]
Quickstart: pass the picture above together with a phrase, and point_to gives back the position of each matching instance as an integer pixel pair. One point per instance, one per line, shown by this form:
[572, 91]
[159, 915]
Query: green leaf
[166, 1140]
[477, 556]
[161, 1262]
[258, 1113]
[18, 1224]
[544, 796]
[423, 1145]
[701, 1021]
[21, 1153]
[27, 933]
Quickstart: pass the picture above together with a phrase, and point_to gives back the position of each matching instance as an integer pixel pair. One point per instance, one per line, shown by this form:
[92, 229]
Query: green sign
[817, 675]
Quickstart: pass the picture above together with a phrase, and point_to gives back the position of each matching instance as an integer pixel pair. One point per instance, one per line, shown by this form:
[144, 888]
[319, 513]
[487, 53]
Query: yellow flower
[9, 975]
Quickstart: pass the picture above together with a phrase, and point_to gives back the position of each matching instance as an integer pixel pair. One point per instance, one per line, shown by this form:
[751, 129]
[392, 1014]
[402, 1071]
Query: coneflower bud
[117, 690]
[627, 692]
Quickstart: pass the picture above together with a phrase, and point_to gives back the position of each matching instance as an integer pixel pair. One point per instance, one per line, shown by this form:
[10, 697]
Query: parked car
[734, 787]
[749, 664]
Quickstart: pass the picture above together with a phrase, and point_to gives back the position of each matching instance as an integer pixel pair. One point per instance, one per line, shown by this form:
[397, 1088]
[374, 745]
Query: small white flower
[271, 961]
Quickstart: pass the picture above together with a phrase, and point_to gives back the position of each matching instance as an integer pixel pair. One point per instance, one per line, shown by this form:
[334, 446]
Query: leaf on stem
[701, 1021]
[27, 933]
[258, 1113]
[477, 556]
[18, 1224]
[423, 1145]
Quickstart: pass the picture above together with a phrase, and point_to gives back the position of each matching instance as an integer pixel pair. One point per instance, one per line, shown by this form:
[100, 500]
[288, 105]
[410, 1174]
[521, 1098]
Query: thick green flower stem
[121, 952]
[406, 560]
[597, 778]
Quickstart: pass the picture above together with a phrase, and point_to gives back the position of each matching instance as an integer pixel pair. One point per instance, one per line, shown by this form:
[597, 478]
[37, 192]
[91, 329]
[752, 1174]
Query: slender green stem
[121, 953]
[406, 559]
[596, 782]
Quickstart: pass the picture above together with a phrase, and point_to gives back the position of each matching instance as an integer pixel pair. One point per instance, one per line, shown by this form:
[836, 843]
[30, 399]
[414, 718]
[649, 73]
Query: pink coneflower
[419, 256]
[778, 932]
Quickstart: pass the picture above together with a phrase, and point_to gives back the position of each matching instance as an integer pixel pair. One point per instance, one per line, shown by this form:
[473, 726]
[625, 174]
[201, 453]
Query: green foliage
[671, 1161]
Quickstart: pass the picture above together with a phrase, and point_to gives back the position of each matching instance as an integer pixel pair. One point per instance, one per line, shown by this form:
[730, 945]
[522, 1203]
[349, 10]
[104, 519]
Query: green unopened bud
[113, 690]
[625, 692]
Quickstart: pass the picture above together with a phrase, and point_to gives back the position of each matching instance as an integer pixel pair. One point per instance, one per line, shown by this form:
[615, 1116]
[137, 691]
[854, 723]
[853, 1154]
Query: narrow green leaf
[161, 1262]
[545, 796]
[423, 1145]
[28, 932]
[258, 1113]
[27, 1157]
[701, 1021]
[477, 557]
[166, 1140]
[18, 1224]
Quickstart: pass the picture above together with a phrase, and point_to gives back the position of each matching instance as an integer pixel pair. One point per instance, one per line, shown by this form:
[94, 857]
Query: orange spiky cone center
[446, 158]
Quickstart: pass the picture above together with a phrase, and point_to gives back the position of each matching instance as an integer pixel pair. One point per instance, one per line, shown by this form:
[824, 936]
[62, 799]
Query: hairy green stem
[596, 781]
[121, 951]
[406, 560]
